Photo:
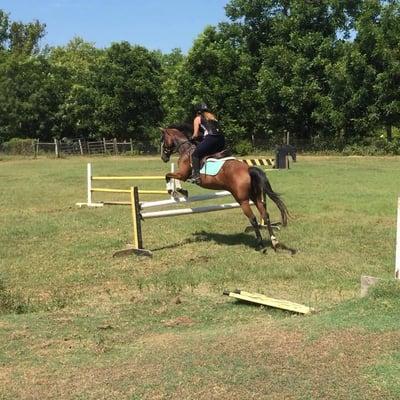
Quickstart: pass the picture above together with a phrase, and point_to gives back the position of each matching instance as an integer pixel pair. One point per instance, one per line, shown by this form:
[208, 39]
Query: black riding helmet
[201, 107]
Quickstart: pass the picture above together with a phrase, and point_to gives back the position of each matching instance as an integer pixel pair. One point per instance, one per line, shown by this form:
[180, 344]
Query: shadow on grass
[220, 238]
[227, 240]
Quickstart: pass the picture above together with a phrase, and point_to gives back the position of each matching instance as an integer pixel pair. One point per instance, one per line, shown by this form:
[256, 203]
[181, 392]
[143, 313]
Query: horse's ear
[162, 131]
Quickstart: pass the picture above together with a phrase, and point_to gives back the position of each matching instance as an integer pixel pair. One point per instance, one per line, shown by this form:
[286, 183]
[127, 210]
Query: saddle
[221, 154]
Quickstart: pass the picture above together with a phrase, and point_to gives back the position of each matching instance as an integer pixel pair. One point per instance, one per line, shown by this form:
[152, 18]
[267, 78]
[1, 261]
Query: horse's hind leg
[245, 205]
[262, 209]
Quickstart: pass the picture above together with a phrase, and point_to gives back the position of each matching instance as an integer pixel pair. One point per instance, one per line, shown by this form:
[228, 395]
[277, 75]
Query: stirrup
[194, 179]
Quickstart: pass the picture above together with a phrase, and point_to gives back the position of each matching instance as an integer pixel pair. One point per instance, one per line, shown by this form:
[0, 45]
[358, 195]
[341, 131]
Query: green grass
[76, 323]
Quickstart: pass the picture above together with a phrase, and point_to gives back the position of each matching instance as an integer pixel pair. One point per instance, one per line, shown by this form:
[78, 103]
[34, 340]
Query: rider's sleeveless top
[209, 127]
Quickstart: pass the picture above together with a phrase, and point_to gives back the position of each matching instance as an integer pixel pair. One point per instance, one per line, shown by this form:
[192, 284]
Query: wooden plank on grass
[269, 301]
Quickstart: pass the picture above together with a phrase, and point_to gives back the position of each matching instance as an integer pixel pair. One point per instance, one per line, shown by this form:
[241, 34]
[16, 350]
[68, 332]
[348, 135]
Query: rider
[205, 126]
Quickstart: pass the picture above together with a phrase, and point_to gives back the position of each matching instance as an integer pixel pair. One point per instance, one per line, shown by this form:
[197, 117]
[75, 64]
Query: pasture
[76, 323]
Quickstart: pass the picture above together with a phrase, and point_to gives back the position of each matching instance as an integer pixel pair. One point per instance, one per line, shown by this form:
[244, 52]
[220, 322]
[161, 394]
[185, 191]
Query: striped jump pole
[258, 162]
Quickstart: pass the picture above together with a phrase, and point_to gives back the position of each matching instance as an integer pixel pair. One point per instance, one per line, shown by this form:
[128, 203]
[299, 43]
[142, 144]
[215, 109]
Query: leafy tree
[4, 29]
[20, 38]
[74, 74]
[293, 43]
[24, 38]
[128, 83]
[387, 83]
[28, 100]
[173, 78]
[27, 97]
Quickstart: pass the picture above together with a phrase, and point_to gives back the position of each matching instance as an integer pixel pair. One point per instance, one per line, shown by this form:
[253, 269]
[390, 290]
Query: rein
[176, 145]
[181, 144]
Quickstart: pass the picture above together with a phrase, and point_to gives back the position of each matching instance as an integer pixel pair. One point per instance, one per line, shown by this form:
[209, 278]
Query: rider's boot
[195, 178]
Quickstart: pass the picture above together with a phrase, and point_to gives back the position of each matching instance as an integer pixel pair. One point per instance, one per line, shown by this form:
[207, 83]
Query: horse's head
[167, 144]
[171, 140]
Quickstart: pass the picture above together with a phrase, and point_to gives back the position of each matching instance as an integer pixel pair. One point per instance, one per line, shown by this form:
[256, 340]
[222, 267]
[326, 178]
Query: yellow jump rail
[172, 186]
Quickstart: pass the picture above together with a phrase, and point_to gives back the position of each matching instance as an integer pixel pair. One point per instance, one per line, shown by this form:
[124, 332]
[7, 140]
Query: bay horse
[243, 182]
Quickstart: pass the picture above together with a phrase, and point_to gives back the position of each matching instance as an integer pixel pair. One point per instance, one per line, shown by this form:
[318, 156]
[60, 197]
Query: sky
[155, 24]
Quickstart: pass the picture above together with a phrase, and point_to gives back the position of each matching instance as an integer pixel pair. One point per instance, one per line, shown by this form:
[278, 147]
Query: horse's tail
[260, 185]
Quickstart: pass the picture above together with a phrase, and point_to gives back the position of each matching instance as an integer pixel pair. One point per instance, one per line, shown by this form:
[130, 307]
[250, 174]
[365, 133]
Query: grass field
[76, 323]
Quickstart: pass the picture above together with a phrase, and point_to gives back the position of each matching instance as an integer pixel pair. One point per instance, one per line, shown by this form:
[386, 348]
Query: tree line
[325, 71]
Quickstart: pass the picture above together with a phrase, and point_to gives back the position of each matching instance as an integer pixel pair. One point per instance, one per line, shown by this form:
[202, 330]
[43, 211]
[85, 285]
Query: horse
[243, 182]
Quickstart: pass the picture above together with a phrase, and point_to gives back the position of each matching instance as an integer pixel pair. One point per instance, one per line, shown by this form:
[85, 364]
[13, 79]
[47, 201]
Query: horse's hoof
[183, 192]
[261, 247]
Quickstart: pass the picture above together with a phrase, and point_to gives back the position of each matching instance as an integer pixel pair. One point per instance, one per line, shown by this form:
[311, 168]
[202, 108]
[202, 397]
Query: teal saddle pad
[213, 166]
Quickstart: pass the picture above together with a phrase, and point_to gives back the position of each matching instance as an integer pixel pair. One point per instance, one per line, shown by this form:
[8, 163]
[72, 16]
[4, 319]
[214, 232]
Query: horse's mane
[184, 127]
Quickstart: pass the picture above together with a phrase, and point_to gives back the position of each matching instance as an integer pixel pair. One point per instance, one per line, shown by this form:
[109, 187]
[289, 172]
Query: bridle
[175, 147]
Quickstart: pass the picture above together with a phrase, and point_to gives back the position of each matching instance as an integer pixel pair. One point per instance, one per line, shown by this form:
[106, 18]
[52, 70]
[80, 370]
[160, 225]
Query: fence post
[56, 149]
[34, 148]
[104, 145]
[89, 184]
[80, 147]
[131, 141]
[137, 240]
[115, 146]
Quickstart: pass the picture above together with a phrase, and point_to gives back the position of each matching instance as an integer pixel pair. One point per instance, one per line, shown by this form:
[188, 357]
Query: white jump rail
[187, 211]
[178, 200]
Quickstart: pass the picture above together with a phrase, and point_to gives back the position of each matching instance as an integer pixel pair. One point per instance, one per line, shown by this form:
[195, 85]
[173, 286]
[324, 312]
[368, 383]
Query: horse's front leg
[176, 175]
[182, 173]
[168, 177]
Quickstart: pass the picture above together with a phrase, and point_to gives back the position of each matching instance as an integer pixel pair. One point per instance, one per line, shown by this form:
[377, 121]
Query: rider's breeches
[211, 144]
